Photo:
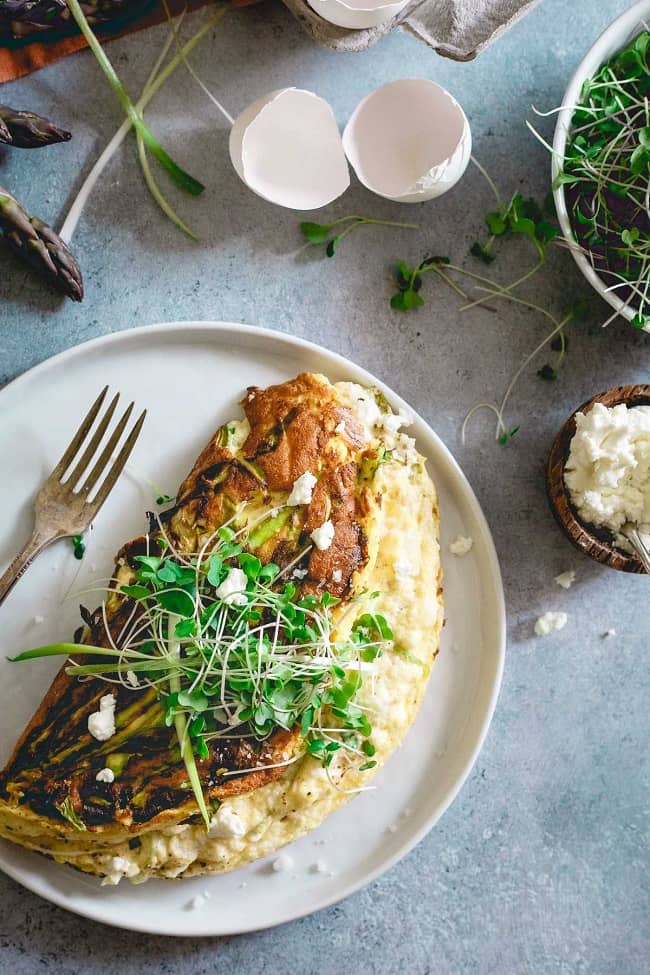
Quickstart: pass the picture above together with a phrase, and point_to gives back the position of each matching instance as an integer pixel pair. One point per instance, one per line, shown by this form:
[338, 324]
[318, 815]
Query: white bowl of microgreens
[601, 166]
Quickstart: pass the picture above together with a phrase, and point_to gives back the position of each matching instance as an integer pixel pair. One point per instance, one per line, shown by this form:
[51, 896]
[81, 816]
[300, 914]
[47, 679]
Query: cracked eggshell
[286, 147]
[408, 141]
[357, 14]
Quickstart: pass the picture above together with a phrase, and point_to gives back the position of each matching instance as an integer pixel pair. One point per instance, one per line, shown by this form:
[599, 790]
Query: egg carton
[457, 29]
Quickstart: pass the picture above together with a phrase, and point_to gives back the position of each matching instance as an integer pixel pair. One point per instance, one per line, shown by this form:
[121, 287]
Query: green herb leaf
[547, 372]
[176, 601]
[315, 233]
[78, 546]
[136, 592]
[496, 223]
[477, 250]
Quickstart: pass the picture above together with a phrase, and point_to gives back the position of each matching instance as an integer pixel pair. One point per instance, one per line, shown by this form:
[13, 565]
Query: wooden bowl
[596, 542]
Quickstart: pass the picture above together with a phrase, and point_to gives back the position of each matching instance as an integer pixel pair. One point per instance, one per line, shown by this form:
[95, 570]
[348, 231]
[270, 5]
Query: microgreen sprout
[605, 173]
[547, 372]
[519, 217]
[409, 282]
[330, 236]
[183, 179]
[242, 659]
[78, 546]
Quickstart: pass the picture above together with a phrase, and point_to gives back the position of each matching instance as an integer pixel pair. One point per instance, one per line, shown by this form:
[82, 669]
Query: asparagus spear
[26, 130]
[40, 246]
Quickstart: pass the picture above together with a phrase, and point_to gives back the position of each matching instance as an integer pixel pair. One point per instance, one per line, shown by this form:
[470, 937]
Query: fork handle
[21, 563]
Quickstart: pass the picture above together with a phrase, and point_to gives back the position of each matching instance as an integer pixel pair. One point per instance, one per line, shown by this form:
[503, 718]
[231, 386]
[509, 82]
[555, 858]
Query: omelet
[120, 805]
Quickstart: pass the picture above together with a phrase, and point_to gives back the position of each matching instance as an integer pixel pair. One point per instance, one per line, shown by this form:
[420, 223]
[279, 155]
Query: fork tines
[103, 461]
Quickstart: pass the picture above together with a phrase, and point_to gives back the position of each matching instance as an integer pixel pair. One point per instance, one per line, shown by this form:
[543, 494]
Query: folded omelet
[140, 819]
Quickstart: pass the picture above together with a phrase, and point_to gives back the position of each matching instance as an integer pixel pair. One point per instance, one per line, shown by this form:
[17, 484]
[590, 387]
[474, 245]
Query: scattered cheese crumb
[199, 901]
[549, 622]
[392, 828]
[461, 545]
[566, 579]
[101, 724]
[324, 536]
[106, 775]
[611, 632]
[337, 575]
[299, 573]
[233, 588]
[340, 427]
[319, 867]
[38, 620]
[283, 862]
[132, 679]
[302, 490]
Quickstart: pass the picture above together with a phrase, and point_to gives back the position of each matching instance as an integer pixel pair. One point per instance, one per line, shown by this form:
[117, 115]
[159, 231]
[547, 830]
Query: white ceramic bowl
[612, 40]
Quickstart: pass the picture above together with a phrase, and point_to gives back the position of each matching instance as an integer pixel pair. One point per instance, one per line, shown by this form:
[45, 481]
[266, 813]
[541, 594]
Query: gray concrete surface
[541, 864]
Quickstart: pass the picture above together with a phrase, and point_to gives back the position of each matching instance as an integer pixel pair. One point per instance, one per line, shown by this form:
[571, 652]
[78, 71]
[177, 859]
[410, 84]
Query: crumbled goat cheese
[38, 620]
[610, 632]
[199, 901]
[368, 412]
[566, 579]
[299, 573]
[340, 427]
[283, 862]
[226, 824]
[549, 622]
[608, 468]
[101, 724]
[461, 545]
[302, 490]
[393, 421]
[120, 867]
[131, 678]
[106, 775]
[324, 536]
[337, 575]
[403, 570]
[319, 867]
[233, 588]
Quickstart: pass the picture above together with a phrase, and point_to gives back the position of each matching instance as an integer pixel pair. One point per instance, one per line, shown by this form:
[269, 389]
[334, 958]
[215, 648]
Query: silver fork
[631, 532]
[59, 510]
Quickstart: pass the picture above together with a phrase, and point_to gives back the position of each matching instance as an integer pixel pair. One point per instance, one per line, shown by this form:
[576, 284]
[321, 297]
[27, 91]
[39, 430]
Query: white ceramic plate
[190, 376]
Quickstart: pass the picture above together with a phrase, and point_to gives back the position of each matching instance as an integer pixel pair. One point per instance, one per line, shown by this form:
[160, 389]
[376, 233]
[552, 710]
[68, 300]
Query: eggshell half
[408, 141]
[357, 14]
[287, 148]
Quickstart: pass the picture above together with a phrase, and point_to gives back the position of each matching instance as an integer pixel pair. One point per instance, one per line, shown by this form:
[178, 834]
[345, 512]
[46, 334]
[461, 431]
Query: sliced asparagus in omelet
[259, 653]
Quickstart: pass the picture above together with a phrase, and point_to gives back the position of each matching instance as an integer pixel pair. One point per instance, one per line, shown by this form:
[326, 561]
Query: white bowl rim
[612, 39]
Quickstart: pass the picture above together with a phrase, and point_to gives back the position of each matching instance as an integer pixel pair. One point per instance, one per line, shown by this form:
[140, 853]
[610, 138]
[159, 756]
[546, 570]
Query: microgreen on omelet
[251, 660]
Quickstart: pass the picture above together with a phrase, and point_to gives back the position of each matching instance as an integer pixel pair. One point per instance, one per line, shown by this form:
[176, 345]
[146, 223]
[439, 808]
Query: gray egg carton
[457, 29]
